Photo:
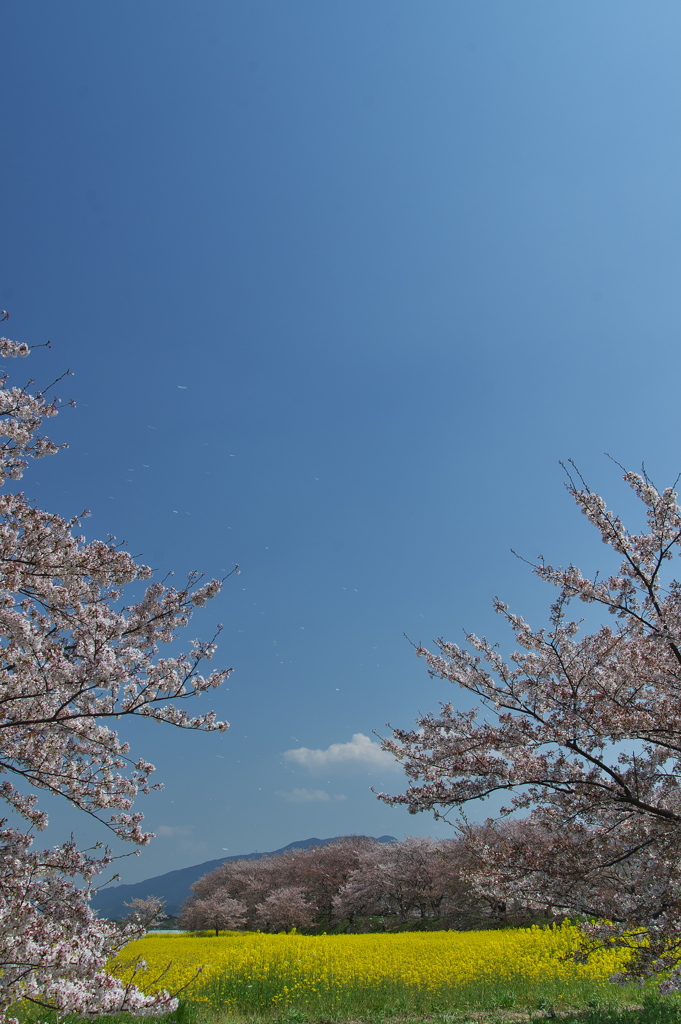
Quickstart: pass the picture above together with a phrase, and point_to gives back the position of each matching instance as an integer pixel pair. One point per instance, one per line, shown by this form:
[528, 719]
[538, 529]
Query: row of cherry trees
[74, 659]
[354, 883]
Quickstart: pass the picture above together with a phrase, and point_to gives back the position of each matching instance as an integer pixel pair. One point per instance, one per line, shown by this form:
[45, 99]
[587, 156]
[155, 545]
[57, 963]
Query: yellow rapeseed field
[277, 970]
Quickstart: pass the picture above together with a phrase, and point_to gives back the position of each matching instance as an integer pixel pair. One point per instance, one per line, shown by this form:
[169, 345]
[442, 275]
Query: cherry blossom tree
[74, 659]
[318, 872]
[284, 909]
[321, 871]
[350, 882]
[247, 881]
[216, 911]
[583, 731]
[146, 912]
[415, 883]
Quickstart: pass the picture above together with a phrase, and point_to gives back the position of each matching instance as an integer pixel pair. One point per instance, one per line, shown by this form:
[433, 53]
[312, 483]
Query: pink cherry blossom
[349, 882]
[217, 911]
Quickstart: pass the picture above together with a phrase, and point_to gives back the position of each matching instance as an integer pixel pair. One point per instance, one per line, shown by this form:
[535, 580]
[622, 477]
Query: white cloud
[301, 796]
[172, 831]
[360, 752]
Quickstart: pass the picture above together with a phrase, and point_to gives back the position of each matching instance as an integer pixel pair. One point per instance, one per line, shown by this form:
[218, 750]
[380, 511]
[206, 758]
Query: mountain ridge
[175, 886]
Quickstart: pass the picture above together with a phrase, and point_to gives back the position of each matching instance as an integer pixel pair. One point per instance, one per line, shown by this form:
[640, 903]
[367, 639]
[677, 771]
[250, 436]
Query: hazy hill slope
[174, 886]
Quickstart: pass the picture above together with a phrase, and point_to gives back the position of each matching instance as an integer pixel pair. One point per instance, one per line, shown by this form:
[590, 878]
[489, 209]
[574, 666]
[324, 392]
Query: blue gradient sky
[340, 283]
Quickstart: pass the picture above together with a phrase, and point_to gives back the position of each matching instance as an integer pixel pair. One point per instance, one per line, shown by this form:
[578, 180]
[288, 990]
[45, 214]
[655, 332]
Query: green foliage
[507, 1002]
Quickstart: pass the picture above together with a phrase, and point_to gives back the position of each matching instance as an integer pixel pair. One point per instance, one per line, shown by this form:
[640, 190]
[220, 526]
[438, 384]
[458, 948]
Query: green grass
[479, 1003]
[392, 999]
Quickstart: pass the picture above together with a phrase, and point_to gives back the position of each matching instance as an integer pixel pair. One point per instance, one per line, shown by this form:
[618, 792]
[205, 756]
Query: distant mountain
[175, 886]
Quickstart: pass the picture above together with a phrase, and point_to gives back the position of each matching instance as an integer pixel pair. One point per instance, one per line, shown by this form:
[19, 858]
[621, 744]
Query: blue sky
[340, 283]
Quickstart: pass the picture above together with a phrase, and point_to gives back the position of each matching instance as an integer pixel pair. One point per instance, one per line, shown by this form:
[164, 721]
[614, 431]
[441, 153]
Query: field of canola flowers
[254, 972]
